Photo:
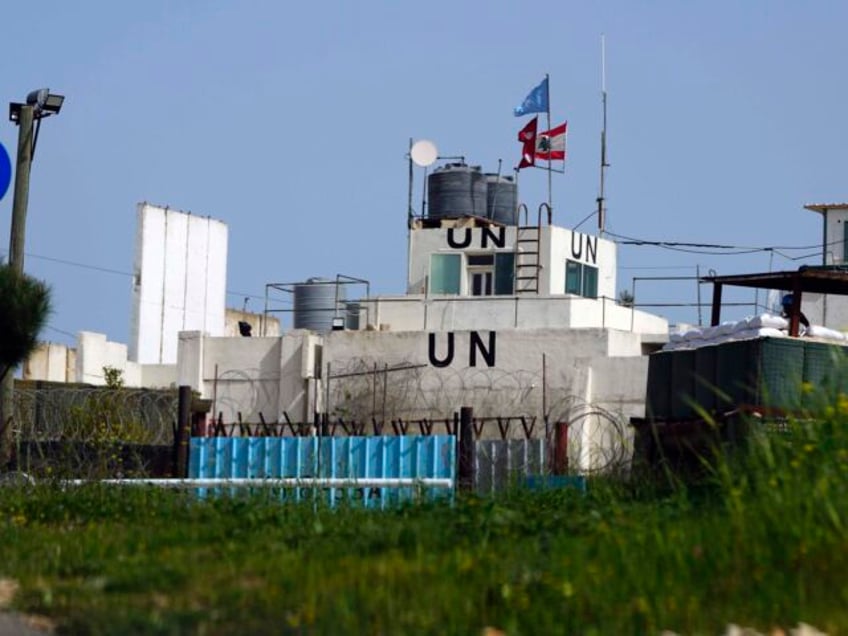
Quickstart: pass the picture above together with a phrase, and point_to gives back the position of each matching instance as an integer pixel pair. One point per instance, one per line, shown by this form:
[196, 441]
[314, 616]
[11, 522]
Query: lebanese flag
[527, 137]
[550, 144]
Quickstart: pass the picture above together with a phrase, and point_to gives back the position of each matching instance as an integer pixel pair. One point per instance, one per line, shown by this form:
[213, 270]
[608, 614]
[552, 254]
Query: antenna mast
[548, 113]
[604, 165]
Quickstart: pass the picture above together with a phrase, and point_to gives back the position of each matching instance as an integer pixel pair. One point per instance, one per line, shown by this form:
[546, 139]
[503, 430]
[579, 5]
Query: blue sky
[290, 122]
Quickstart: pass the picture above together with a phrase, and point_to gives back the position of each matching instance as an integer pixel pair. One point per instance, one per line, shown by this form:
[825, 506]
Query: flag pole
[548, 113]
[604, 165]
[410, 215]
[409, 212]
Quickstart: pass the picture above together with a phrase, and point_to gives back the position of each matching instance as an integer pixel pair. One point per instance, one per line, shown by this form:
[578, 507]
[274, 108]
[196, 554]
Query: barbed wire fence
[366, 396]
[93, 431]
[599, 439]
[89, 431]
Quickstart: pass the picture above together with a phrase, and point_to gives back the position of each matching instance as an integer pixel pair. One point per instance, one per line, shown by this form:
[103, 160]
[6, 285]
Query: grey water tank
[502, 199]
[315, 304]
[455, 190]
[351, 316]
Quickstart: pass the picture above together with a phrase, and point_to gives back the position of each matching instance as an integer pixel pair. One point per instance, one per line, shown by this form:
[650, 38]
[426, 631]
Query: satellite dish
[424, 153]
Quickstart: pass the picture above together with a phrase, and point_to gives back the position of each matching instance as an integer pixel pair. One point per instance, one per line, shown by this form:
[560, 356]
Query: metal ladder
[527, 257]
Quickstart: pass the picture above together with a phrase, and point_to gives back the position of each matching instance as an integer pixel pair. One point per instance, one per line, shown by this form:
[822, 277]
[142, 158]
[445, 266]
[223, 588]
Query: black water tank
[456, 190]
[502, 199]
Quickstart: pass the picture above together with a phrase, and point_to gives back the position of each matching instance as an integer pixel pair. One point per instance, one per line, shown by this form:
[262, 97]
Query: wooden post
[465, 454]
[560, 466]
[715, 317]
[182, 439]
[795, 310]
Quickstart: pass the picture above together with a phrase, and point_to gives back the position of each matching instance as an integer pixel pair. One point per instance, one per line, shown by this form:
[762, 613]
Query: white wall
[557, 245]
[830, 310]
[512, 385]
[85, 363]
[424, 242]
[271, 375]
[179, 281]
[190, 361]
[593, 378]
[562, 244]
[244, 376]
[420, 313]
[251, 375]
[94, 352]
[158, 376]
[52, 362]
[255, 320]
[834, 247]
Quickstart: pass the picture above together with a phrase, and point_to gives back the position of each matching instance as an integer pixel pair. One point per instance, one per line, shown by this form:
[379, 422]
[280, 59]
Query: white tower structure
[179, 281]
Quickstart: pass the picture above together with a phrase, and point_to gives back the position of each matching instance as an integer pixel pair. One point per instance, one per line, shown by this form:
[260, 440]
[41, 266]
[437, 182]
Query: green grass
[762, 544]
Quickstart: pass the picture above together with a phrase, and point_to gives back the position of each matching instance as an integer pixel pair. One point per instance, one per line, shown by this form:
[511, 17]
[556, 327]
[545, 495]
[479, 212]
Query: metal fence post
[466, 449]
[183, 431]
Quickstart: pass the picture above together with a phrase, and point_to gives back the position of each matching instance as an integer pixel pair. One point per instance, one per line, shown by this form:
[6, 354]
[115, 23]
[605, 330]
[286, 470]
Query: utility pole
[16, 261]
[39, 104]
[21, 200]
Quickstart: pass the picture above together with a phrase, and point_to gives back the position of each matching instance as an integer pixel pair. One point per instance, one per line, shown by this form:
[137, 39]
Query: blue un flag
[535, 102]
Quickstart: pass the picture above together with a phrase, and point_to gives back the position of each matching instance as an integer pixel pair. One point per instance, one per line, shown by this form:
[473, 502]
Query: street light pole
[16, 261]
[21, 197]
[39, 104]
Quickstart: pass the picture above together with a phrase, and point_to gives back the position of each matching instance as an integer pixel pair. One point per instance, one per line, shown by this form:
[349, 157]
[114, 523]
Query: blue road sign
[5, 171]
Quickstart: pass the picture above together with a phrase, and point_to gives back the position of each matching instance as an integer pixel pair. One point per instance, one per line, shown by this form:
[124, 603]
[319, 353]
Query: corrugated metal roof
[822, 207]
[821, 280]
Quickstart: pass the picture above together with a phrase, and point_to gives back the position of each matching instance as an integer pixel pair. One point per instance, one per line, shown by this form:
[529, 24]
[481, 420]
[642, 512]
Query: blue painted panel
[414, 457]
[546, 482]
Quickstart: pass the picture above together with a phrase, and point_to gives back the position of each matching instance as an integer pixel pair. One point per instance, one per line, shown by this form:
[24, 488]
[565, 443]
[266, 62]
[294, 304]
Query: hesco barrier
[659, 384]
[765, 372]
[705, 378]
[682, 384]
[825, 369]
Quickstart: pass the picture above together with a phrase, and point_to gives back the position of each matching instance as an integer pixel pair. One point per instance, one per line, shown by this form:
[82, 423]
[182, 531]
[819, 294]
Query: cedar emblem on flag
[550, 144]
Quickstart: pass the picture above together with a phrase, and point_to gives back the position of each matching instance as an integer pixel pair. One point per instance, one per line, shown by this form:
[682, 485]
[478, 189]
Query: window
[481, 271]
[504, 273]
[480, 260]
[581, 279]
[481, 283]
[590, 281]
[445, 273]
[573, 277]
[845, 242]
[490, 274]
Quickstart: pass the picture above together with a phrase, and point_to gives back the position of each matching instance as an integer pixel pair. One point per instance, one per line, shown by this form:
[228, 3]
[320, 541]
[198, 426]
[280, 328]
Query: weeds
[762, 543]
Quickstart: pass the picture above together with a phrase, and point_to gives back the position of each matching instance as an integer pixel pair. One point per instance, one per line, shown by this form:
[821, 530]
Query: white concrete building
[514, 321]
[477, 328]
[830, 310]
[86, 362]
